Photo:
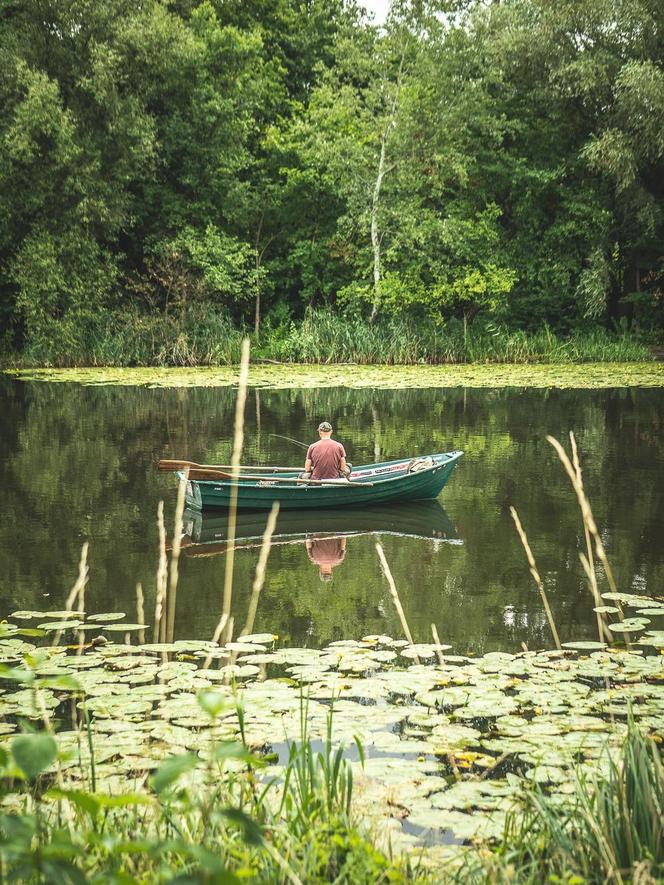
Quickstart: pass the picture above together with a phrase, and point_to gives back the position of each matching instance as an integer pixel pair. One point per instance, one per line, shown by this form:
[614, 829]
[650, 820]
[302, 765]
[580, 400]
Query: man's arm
[342, 464]
[307, 462]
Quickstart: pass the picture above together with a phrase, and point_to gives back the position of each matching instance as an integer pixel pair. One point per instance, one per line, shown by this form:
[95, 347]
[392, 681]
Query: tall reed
[208, 336]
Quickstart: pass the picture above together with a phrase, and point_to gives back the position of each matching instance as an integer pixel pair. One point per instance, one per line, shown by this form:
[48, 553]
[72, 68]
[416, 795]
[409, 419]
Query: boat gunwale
[452, 457]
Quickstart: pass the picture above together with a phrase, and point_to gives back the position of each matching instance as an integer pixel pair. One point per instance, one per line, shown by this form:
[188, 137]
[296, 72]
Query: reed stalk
[140, 612]
[586, 510]
[77, 589]
[395, 595]
[259, 577]
[536, 576]
[162, 573]
[218, 630]
[238, 440]
[589, 564]
[175, 557]
[437, 643]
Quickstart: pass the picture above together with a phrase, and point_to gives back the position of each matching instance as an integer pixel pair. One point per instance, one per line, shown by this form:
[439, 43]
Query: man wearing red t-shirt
[326, 459]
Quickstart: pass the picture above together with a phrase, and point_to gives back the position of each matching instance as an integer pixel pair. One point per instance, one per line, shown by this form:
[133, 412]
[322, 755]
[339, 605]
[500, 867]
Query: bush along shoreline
[207, 338]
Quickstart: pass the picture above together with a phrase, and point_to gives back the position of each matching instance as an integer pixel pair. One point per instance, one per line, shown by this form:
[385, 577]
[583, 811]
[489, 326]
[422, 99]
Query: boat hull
[384, 483]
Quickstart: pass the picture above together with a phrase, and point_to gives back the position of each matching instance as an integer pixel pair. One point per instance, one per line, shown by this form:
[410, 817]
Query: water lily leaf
[423, 650]
[159, 647]
[466, 795]
[606, 610]
[259, 638]
[122, 628]
[244, 646]
[464, 826]
[651, 612]
[644, 602]
[447, 738]
[63, 613]
[654, 638]
[584, 645]
[60, 625]
[629, 625]
[546, 774]
[107, 616]
[629, 599]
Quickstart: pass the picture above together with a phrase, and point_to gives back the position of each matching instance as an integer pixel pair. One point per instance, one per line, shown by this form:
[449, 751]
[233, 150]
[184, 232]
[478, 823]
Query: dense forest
[172, 173]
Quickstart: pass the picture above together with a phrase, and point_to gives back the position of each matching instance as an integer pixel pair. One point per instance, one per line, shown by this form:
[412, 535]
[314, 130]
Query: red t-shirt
[325, 456]
[326, 551]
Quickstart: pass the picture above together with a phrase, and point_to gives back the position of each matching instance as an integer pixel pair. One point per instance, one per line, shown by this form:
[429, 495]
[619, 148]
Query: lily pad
[584, 645]
[60, 625]
[423, 650]
[654, 638]
[260, 638]
[629, 625]
[122, 628]
[107, 616]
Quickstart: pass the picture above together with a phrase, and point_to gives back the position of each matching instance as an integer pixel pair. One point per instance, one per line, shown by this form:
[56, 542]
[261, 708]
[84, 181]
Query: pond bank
[272, 376]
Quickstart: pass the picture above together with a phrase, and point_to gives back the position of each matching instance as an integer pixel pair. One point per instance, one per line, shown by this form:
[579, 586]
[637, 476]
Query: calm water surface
[78, 464]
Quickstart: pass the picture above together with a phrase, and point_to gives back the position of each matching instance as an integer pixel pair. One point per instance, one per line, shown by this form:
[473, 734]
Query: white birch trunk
[375, 202]
[375, 233]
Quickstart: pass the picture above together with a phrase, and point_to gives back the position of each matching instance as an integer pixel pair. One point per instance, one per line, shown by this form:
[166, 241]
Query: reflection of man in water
[327, 553]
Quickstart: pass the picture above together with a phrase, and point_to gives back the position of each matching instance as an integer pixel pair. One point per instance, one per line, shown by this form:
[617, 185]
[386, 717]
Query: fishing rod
[290, 439]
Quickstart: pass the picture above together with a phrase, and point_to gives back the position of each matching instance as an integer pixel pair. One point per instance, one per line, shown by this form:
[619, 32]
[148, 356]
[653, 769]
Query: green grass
[610, 829]
[218, 817]
[209, 338]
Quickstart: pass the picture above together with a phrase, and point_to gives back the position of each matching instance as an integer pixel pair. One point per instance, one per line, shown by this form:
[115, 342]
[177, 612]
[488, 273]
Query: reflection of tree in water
[327, 554]
[77, 463]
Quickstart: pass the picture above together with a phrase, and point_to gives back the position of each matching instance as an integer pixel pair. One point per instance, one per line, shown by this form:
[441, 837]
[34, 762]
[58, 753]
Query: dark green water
[78, 463]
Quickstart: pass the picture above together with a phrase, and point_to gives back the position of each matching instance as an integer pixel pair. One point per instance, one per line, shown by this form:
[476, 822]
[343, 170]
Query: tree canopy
[258, 158]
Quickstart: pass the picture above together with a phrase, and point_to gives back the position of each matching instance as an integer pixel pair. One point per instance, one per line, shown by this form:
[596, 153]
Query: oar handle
[174, 464]
[208, 475]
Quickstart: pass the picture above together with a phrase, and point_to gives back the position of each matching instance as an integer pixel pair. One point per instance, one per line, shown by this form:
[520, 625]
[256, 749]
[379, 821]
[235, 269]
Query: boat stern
[192, 493]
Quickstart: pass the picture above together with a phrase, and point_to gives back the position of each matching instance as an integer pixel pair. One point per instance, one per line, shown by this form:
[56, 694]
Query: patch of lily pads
[449, 742]
[594, 375]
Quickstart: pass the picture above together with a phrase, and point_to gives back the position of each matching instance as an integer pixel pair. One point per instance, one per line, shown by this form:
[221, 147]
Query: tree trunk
[257, 314]
[375, 235]
[375, 232]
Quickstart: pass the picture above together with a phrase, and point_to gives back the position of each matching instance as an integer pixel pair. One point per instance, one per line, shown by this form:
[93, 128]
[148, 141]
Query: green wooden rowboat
[387, 482]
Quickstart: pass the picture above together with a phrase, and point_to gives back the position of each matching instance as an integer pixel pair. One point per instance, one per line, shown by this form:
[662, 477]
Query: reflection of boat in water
[207, 533]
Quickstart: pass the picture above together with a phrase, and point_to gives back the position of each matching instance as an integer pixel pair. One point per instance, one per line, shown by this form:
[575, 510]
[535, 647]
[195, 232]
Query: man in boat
[326, 459]
[326, 553]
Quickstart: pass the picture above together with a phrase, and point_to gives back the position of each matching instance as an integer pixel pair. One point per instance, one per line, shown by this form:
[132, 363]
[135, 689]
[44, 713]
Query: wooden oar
[212, 475]
[166, 464]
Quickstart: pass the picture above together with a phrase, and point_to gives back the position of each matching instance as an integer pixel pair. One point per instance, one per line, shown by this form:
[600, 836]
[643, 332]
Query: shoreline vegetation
[322, 337]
